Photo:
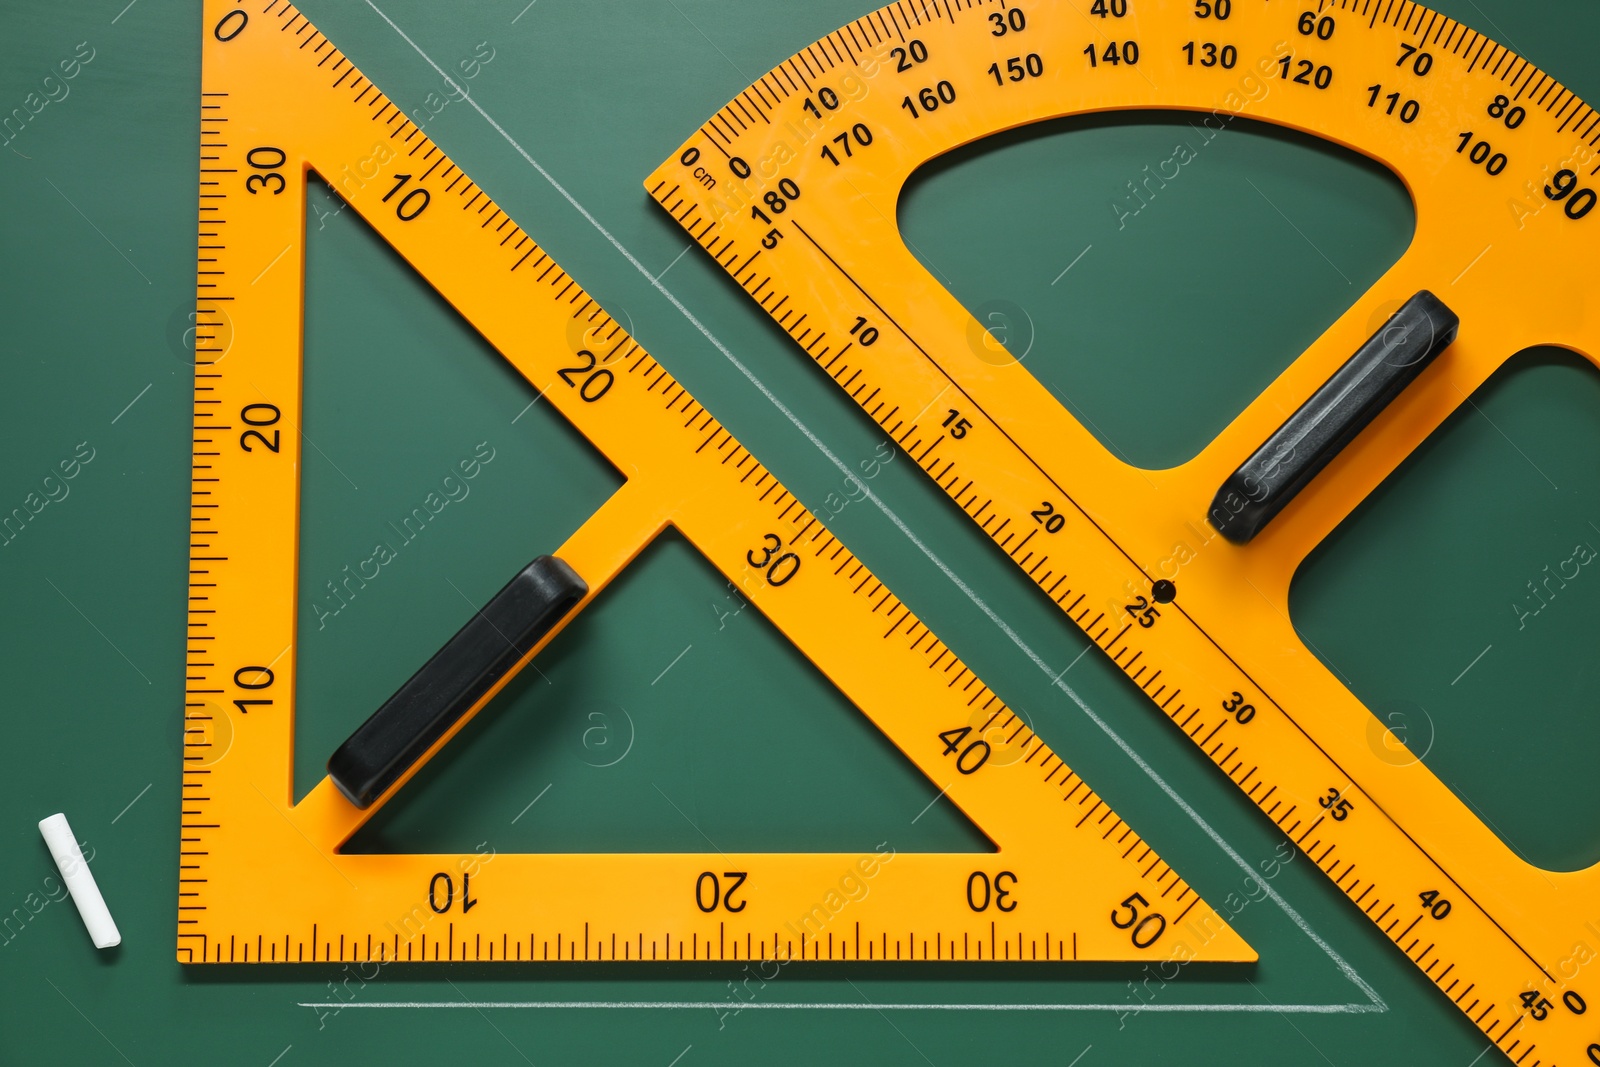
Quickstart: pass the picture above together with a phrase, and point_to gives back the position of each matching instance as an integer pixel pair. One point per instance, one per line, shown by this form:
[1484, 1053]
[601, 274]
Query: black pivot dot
[1164, 592]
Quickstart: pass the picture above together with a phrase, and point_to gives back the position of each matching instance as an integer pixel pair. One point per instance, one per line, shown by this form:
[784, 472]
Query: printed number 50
[1146, 928]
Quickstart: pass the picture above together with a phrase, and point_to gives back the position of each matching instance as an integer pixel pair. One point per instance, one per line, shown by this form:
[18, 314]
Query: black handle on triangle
[490, 644]
[1309, 439]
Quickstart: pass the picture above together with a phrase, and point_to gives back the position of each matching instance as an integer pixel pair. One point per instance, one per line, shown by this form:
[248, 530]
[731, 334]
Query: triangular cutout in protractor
[264, 879]
[1182, 575]
[673, 701]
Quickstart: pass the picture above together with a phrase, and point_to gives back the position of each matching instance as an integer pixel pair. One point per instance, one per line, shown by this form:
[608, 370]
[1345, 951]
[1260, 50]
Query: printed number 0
[228, 26]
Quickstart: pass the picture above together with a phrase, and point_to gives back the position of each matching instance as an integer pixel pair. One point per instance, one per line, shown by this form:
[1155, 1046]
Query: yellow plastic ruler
[793, 188]
[263, 878]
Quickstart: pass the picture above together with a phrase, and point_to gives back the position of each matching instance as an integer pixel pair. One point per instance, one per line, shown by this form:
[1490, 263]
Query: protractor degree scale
[263, 878]
[793, 187]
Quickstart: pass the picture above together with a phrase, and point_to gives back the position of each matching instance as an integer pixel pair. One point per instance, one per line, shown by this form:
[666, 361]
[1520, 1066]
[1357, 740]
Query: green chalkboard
[662, 720]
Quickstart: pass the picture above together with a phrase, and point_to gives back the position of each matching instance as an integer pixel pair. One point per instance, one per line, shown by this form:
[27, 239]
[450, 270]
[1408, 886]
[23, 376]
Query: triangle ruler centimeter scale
[793, 187]
[263, 878]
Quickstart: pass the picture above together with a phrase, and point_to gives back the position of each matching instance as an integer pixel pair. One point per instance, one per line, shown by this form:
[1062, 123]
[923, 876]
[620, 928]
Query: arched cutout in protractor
[421, 515]
[1449, 600]
[1112, 252]
[675, 700]
[793, 194]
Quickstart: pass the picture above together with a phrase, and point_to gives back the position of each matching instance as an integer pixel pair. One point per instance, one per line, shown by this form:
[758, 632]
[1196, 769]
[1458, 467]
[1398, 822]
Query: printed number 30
[780, 566]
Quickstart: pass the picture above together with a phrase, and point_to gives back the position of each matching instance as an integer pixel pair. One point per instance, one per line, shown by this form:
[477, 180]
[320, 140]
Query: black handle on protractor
[479, 655]
[1389, 361]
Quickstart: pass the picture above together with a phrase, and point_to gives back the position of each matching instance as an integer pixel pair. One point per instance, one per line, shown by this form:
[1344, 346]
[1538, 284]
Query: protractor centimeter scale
[1182, 575]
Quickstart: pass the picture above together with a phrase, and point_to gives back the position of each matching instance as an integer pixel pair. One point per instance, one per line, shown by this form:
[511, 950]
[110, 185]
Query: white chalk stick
[80, 881]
